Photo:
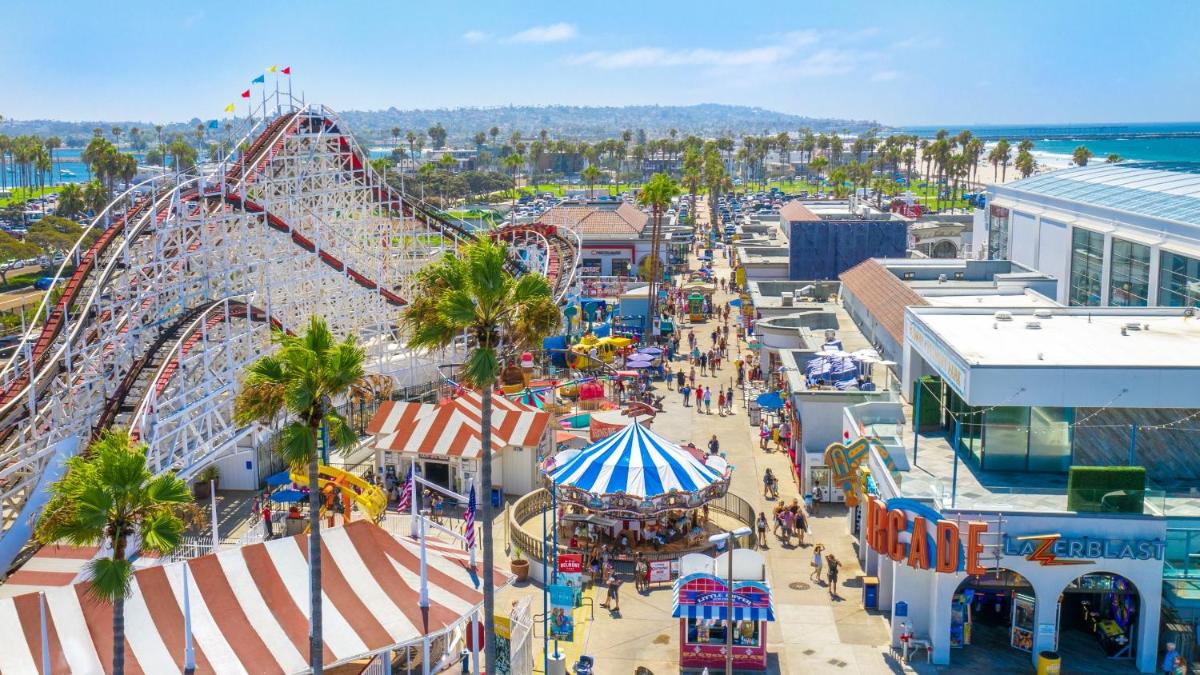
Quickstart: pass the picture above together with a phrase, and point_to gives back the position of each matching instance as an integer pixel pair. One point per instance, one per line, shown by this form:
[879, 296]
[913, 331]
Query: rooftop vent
[1133, 325]
[1033, 325]
[1002, 316]
[786, 299]
[1043, 313]
[941, 278]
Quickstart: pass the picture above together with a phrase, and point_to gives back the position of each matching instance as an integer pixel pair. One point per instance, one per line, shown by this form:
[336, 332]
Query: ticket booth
[702, 607]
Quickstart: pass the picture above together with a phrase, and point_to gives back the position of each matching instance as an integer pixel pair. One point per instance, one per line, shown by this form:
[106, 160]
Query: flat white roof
[1023, 300]
[1070, 337]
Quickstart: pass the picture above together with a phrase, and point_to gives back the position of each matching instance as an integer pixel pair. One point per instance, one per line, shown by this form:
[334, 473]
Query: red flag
[246, 94]
[287, 71]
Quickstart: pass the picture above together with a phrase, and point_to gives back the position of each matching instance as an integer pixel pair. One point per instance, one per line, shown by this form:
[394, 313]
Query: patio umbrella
[281, 478]
[637, 365]
[288, 496]
[650, 350]
[736, 302]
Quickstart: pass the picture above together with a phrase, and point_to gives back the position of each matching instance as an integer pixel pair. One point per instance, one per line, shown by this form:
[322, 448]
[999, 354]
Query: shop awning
[752, 599]
[453, 428]
[249, 608]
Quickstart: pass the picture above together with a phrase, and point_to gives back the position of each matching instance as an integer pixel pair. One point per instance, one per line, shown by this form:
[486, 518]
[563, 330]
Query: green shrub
[1106, 489]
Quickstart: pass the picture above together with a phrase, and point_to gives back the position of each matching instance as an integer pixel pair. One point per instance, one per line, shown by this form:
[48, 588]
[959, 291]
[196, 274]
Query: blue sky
[1001, 61]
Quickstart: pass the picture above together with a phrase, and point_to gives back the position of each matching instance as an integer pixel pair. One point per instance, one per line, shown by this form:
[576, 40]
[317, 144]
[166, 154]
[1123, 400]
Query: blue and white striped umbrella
[637, 462]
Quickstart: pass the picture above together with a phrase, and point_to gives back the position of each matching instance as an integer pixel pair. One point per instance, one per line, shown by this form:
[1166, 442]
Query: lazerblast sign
[932, 542]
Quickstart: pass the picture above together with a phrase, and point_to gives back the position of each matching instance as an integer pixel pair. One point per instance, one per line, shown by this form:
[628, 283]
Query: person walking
[768, 483]
[714, 446]
[700, 398]
[703, 362]
[692, 377]
[669, 376]
[614, 597]
[641, 574]
[787, 519]
[801, 521]
[268, 527]
[687, 393]
[832, 563]
[761, 525]
[729, 398]
[680, 378]
[721, 403]
[817, 559]
[708, 401]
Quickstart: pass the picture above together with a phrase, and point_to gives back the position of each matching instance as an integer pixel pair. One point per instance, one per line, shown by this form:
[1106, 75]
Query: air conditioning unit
[1002, 316]
[1043, 313]
[787, 299]
[1033, 325]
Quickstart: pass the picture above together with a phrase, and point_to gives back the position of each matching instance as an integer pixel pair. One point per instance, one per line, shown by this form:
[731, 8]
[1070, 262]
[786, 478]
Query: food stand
[702, 606]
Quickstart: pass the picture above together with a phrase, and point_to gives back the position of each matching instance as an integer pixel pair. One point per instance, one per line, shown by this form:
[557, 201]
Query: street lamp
[717, 539]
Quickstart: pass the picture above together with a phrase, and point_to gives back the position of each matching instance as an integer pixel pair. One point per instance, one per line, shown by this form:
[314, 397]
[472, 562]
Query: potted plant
[519, 565]
[207, 479]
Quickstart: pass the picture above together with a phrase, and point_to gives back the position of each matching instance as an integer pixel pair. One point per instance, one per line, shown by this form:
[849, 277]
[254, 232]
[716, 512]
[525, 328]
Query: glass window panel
[998, 233]
[1087, 267]
[1006, 439]
[1129, 280]
[1178, 280]
[1050, 438]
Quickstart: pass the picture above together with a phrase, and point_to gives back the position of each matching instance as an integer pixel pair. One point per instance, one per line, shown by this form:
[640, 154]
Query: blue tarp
[288, 496]
[281, 478]
[770, 401]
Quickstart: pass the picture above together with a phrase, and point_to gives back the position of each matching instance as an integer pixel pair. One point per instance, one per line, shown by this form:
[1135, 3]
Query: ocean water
[68, 159]
[1165, 142]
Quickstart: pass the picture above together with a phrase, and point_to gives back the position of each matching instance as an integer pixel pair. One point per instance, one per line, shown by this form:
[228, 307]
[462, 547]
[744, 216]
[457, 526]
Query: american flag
[406, 493]
[469, 526]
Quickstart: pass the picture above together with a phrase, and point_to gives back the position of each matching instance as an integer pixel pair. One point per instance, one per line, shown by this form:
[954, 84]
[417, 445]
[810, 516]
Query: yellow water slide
[371, 499]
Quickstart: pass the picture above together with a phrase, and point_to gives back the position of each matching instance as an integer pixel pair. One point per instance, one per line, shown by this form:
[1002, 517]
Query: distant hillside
[560, 121]
[589, 123]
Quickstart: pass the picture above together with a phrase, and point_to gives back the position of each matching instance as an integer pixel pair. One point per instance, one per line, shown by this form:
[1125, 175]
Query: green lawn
[21, 195]
[925, 194]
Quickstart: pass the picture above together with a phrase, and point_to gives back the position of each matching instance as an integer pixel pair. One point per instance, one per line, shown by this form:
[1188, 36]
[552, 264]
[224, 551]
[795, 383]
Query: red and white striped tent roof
[249, 608]
[454, 427]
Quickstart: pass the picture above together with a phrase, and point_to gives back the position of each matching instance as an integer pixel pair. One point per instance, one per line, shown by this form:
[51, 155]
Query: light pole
[730, 537]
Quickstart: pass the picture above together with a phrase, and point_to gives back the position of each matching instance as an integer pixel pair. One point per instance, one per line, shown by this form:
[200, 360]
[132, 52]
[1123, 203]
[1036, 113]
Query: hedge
[1106, 489]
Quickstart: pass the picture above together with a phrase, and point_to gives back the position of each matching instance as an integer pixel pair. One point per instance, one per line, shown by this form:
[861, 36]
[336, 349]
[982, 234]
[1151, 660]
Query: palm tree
[301, 381]
[513, 163]
[656, 194]
[396, 137]
[1112, 158]
[818, 164]
[1081, 155]
[1001, 154]
[109, 496]
[1025, 163]
[53, 143]
[693, 176]
[591, 174]
[494, 132]
[471, 291]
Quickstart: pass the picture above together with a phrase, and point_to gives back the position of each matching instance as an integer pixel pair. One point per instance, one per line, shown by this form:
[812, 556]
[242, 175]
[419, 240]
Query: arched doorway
[944, 249]
[992, 621]
[1098, 619]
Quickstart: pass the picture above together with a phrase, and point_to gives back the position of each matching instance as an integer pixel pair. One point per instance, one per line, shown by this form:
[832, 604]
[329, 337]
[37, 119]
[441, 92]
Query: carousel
[635, 491]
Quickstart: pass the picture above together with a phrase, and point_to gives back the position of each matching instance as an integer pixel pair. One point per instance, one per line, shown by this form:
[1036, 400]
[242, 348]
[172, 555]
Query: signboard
[604, 251]
[947, 365]
[570, 574]
[562, 611]
[844, 460]
[660, 570]
[1054, 549]
[910, 532]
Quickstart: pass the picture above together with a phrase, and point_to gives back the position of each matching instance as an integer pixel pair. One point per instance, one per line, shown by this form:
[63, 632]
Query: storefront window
[1087, 267]
[1129, 282]
[712, 632]
[1050, 438]
[998, 217]
[620, 267]
[590, 267]
[1178, 280]
[1005, 438]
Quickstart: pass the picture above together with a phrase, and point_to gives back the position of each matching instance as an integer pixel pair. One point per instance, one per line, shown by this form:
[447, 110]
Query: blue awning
[719, 612]
[770, 401]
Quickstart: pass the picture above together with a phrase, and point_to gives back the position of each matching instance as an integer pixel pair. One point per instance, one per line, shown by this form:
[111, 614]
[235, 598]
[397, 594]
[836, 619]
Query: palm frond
[110, 579]
[161, 532]
[296, 445]
[482, 368]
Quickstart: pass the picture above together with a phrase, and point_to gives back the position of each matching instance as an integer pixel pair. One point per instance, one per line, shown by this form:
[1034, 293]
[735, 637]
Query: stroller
[584, 665]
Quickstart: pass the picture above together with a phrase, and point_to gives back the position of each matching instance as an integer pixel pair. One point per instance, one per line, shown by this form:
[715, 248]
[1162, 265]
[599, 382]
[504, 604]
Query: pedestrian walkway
[813, 632]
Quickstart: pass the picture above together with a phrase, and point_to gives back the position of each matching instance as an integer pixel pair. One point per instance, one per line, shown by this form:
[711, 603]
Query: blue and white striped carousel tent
[637, 462]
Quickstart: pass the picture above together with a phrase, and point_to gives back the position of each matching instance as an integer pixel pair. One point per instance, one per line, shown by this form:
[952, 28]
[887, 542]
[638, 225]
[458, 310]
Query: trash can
[871, 592]
[1049, 663]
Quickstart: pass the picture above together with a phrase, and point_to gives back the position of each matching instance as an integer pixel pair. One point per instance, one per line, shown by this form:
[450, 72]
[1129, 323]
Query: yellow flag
[273, 69]
[229, 108]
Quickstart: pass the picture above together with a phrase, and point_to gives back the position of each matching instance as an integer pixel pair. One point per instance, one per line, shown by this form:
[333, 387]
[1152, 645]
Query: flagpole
[278, 109]
[423, 601]
[45, 634]
[289, 76]
[189, 653]
[412, 480]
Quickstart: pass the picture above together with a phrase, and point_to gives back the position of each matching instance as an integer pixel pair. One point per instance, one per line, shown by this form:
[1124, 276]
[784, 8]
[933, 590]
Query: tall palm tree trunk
[118, 624]
[316, 652]
[485, 477]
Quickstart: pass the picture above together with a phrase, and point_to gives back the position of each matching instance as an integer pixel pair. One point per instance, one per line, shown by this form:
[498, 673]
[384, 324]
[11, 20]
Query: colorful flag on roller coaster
[405, 502]
[229, 108]
[469, 525]
[272, 69]
[246, 94]
[261, 79]
[286, 71]
[213, 124]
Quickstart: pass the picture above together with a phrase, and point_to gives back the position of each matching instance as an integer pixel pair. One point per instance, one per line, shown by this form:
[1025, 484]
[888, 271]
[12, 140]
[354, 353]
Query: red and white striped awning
[249, 608]
[453, 428]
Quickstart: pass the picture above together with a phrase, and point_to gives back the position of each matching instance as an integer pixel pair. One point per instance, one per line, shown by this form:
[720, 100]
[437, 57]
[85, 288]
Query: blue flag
[213, 124]
[259, 80]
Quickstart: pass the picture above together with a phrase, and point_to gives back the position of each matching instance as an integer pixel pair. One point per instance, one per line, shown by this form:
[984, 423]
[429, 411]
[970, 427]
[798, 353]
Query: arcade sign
[910, 532]
[1050, 550]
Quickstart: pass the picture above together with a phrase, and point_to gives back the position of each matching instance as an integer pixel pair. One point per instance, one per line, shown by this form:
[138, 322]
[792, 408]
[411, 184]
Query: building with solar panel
[1124, 235]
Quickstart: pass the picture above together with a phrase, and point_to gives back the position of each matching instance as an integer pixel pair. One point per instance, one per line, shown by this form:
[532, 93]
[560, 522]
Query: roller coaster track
[162, 311]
